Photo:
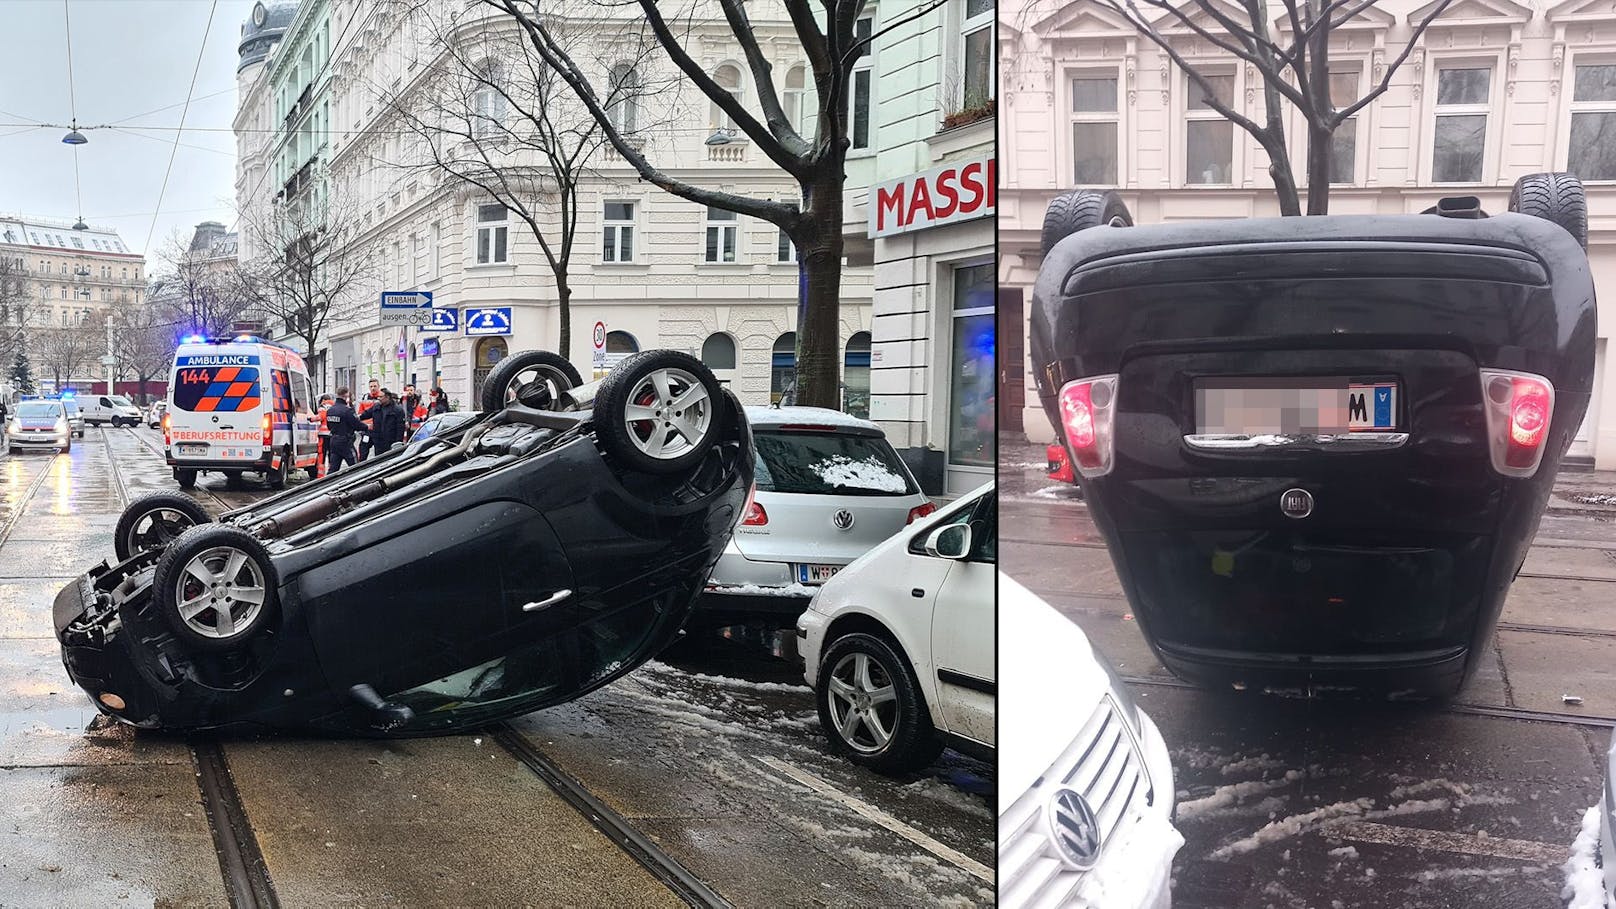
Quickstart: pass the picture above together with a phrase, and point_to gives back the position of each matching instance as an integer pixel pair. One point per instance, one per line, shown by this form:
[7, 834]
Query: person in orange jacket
[370, 400]
[324, 434]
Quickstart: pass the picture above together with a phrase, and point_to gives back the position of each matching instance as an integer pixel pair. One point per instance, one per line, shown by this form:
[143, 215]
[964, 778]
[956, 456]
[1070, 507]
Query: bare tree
[17, 305]
[1294, 67]
[826, 32]
[67, 351]
[307, 262]
[489, 112]
[197, 290]
[143, 341]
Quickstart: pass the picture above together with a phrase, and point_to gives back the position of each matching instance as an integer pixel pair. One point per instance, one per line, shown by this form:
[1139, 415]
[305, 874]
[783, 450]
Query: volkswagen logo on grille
[842, 519]
[1074, 829]
[1296, 503]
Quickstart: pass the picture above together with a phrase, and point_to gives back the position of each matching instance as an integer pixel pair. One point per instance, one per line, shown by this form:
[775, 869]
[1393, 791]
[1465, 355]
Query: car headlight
[14, 427]
[61, 424]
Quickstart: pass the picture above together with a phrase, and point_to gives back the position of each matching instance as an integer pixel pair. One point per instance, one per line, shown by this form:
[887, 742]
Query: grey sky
[129, 57]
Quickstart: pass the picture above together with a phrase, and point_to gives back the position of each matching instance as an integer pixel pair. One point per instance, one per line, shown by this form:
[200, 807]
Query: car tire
[68, 448]
[911, 742]
[209, 550]
[171, 514]
[186, 478]
[1081, 209]
[652, 383]
[1556, 197]
[276, 476]
[525, 368]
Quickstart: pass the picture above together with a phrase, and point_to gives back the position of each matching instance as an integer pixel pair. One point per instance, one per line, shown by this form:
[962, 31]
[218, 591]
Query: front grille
[1103, 763]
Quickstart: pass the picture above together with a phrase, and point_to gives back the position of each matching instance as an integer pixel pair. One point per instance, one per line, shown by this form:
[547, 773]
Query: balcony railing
[300, 106]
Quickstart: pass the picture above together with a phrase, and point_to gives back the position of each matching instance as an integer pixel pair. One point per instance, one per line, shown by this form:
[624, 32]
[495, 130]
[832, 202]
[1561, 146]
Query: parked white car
[1086, 797]
[115, 409]
[829, 488]
[899, 646]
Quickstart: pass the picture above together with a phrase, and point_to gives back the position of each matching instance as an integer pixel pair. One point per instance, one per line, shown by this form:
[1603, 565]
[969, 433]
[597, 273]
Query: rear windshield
[208, 389]
[829, 464]
[36, 409]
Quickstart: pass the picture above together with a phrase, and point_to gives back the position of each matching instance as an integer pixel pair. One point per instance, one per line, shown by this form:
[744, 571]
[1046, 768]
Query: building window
[434, 247]
[493, 225]
[617, 242]
[1593, 123]
[784, 249]
[619, 344]
[1095, 147]
[1208, 138]
[1460, 136]
[489, 100]
[622, 101]
[723, 229]
[856, 376]
[1344, 141]
[977, 55]
[418, 255]
[858, 119]
[718, 352]
[970, 431]
[783, 369]
[794, 96]
[728, 77]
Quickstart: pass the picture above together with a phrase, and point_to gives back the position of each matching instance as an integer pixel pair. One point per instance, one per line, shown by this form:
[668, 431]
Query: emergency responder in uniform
[344, 424]
[324, 436]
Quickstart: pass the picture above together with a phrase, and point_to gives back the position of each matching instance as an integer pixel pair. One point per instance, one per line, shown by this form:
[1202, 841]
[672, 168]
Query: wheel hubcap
[669, 413]
[220, 591]
[551, 378]
[157, 528]
[863, 703]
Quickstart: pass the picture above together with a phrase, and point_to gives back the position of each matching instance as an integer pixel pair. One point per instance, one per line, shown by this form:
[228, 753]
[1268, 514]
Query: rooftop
[60, 235]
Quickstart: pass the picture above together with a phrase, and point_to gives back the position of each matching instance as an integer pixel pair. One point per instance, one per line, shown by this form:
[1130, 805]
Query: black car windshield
[39, 410]
[829, 464]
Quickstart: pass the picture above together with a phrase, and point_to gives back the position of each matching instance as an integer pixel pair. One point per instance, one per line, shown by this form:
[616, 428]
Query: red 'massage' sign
[942, 195]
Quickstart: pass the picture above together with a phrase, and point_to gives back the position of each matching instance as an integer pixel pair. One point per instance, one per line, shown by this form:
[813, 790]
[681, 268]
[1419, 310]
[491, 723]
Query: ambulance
[239, 405]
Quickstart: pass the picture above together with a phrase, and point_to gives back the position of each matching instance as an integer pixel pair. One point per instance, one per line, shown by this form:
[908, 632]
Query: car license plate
[192, 450]
[816, 574]
[1250, 407]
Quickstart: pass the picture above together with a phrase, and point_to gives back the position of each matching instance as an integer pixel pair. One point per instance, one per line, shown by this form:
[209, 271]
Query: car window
[38, 409]
[985, 531]
[206, 389]
[829, 464]
[121, 401]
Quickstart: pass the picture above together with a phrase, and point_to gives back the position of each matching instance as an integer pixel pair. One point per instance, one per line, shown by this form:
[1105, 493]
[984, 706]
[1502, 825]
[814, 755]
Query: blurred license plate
[1250, 407]
[816, 574]
[192, 450]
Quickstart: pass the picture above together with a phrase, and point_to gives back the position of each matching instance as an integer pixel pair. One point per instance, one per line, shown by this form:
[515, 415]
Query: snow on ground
[1344, 853]
[1259, 762]
[1227, 796]
[1594, 499]
[1296, 824]
[658, 667]
[1486, 874]
[789, 590]
[1059, 493]
[939, 791]
[1584, 882]
[870, 473]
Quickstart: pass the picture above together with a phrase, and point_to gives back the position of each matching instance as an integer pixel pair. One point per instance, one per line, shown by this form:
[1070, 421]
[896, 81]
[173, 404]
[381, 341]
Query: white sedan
[899, 645]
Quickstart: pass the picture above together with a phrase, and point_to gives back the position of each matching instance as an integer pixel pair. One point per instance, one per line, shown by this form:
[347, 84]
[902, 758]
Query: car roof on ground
[765, 417]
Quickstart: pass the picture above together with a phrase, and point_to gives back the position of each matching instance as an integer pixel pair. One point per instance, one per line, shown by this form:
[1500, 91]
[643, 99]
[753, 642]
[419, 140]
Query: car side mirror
[952, 541]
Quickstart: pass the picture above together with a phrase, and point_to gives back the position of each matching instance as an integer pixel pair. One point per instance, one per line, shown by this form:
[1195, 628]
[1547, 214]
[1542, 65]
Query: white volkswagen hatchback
[1085, 784]
[898, 646]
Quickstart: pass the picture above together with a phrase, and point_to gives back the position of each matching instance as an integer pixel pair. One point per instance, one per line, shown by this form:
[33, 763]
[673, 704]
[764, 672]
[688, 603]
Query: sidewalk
[1576, 492]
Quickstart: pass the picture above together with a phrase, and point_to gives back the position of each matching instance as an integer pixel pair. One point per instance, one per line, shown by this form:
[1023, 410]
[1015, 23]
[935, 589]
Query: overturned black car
[545, 548]
[1318, 448]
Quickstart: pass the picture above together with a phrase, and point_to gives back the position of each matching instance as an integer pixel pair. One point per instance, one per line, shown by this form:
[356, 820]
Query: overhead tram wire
[200, 52]
[73, 109]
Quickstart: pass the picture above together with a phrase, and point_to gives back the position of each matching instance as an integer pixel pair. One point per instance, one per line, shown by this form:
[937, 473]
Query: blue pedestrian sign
[413, 307]
[492, 321]
[446, 319]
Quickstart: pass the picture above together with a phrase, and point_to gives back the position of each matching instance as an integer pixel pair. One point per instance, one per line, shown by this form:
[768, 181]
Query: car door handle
[550, 600]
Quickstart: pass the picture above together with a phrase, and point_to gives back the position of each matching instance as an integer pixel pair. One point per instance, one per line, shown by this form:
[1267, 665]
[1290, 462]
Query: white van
[241, 405]
[115, 409]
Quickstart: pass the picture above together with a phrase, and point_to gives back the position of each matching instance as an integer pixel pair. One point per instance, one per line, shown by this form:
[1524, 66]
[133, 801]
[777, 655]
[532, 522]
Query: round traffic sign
[600, 335]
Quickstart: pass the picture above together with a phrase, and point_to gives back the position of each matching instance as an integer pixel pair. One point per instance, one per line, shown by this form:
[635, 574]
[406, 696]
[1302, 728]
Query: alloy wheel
[863, 703]
[220, 590]
[669, 413]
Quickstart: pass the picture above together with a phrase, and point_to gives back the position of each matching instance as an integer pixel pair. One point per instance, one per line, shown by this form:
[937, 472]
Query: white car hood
[1049, 684]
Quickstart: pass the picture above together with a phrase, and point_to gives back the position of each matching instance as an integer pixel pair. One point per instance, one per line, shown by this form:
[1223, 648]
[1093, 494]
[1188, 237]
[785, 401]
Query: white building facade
[921, 201]
[1492, 91]
[656, 270]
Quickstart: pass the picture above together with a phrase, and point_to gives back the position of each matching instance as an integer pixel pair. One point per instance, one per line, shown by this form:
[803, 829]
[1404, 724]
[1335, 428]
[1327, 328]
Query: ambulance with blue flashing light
[239, 405]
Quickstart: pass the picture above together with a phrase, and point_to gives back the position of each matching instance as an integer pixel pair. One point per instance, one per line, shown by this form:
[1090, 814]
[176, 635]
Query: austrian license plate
[1250, 407]
[192, 450]
[816, 574]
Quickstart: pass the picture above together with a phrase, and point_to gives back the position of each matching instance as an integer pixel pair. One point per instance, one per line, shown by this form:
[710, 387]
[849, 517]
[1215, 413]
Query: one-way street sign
[406, 307]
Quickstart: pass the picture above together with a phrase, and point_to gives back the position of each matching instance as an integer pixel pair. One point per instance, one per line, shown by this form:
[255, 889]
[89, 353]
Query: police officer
[343, 423]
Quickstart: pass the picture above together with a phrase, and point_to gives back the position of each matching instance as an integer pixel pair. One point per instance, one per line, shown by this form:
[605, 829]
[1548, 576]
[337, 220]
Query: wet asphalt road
[713, 752]
[1307, 803]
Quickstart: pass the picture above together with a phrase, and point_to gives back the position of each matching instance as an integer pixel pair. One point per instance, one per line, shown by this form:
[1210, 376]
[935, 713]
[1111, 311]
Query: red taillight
[269, 437]
[920, 511]
[166, 441]
[752, 513]
[1058, 466]
[1087, 409]
[1519, 407]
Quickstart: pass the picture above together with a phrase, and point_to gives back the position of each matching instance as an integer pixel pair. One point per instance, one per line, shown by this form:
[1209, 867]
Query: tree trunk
[819, 322]
[1279, 168]
[564, 314]
[1319, 141]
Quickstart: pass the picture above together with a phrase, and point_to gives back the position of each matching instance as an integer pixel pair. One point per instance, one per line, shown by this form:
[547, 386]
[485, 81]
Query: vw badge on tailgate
[1296, 503]
[842, 519]
[1074, 829]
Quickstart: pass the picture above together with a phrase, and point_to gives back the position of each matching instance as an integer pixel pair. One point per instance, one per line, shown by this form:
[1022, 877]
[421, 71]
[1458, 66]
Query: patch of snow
[793, 589]
[939, 791]
[760, 416]
[870, 473]
[725, 681]
[1059, 493]
[1486, 874]
[1594, 499]
[1584, 882]
[1260, 762]
[1296, 824]
[1225, 796]
[1418, 806]
[1429, 786]
[1344, 853]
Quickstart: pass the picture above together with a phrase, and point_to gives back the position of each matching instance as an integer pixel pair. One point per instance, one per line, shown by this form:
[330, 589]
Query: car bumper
[811, 627]
[27, 439]
[219, 463]
[779, 602]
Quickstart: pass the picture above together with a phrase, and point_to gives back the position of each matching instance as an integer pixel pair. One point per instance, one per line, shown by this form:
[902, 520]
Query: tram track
[246, 874]
[26, 497]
